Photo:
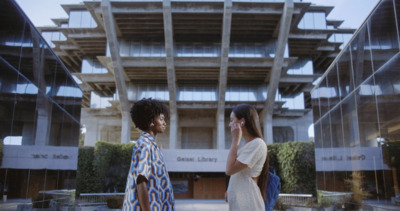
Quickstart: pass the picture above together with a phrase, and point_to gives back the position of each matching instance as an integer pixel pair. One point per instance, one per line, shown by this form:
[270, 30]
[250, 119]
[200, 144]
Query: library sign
[195, 160]
[349, 159]
[40, 157]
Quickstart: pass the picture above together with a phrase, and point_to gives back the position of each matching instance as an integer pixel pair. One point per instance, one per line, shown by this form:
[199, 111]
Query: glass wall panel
[338, 139]
[388, 94]
[51, 36]
[301, 67]
[317, 135]
[367, 114]
[81, 19]
[197, 92]
[363, 151]
[332, 87]
[138, 91]
[313, 20]
[324, 95]
[315, 104]
[383, 33]
[31, 46]
[340, 38]
[295, 102]
[345, 73]
[361, 56]
[242, 92]
[350, 121]
[90, 65]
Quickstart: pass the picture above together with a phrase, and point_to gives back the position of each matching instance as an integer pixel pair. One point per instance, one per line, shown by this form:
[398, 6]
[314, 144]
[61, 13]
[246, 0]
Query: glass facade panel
[383, 33]
[81, 19]
[361, 128]
[32, 114]
[361, 56]
[332, 88]
[301, 67]
[345, 71]
[324, 95]
[198, 92]
[313, 20]
[138, 91]
[315, 102]
[91, 65]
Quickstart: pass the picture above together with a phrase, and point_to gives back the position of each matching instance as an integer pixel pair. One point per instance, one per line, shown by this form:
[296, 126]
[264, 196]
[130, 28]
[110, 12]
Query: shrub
[41, 201]
[297, 167]
[273, 150]
[112, 162]
[115, 202]
[87, 179]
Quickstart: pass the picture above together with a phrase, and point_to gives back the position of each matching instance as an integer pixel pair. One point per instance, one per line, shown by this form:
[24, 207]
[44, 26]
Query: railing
[335, 197]
[92, 199]
[296, 199]
[60, 197]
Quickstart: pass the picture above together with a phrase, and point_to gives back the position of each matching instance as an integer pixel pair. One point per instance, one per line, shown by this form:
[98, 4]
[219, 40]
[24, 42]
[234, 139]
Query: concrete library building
[201, 58]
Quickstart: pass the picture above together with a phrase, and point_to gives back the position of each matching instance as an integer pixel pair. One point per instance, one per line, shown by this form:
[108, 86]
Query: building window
[92, 66]
[81, 19]
[51, 36]
[313, 20]
[301, 67]
[199, 92]
[283, 134]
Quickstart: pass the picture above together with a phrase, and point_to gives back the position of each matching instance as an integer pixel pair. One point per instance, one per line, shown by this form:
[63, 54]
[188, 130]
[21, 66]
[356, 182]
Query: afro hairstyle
[144, 111]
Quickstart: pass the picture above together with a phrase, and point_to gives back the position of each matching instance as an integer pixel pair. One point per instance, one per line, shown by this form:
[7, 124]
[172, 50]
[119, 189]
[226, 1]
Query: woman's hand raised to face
[236, 131]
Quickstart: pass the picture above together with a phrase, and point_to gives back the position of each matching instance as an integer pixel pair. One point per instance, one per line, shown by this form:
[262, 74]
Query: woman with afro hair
[148, 186]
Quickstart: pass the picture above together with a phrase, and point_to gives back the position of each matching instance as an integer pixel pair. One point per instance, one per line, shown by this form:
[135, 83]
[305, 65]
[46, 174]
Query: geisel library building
[201, 58]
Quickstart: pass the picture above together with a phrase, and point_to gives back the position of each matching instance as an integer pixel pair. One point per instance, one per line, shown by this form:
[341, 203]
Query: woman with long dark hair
[247, 165]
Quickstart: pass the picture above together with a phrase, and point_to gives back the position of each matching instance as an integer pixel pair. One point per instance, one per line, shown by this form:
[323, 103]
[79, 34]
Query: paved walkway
[180, 205]
[200, 205]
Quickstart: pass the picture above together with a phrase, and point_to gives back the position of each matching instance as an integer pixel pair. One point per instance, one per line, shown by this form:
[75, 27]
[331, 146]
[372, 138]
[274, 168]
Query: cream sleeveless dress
[243, 192]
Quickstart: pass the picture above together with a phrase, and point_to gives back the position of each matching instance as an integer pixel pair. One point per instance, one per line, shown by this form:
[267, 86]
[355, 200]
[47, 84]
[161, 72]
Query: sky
[42, 11]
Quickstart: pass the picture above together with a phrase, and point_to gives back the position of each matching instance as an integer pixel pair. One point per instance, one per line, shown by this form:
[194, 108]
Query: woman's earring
[241, 123]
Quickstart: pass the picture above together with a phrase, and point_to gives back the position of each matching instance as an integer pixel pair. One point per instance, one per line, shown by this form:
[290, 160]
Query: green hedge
[297, 167]
[87, 180]
[104, 168]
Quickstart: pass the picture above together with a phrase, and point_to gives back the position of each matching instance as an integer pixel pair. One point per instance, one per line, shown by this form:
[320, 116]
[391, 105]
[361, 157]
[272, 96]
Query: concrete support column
[223, 73]
[126, 127]
[170, 63]
[173, 130]
[43, 131]
[284, 29]
[119, 73]
[92, 132]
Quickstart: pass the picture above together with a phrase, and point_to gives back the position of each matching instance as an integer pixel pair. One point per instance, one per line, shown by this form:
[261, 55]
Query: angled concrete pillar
[119, 73]
[275, 75]
[43, 104]
[169, 50]
[223, 73]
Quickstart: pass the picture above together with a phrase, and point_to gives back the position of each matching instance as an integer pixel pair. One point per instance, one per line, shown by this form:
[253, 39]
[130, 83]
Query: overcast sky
[42, 11]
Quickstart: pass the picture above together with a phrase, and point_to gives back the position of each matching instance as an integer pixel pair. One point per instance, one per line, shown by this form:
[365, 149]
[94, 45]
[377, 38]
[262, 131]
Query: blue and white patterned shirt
[148, 161]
